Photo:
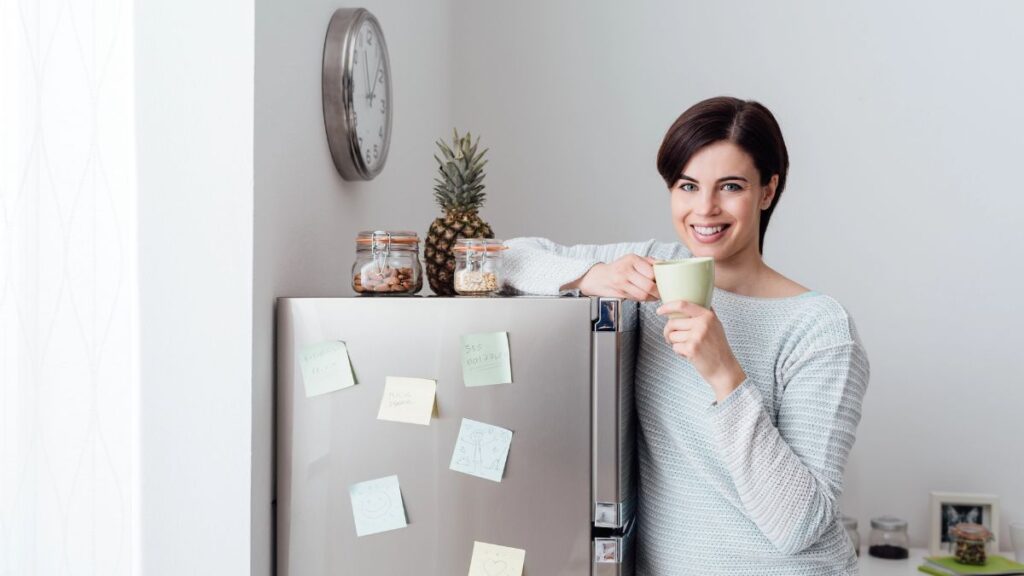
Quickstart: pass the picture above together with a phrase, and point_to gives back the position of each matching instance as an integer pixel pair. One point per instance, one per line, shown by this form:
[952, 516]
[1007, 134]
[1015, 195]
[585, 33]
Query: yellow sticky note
[494, 560]
[408, 400]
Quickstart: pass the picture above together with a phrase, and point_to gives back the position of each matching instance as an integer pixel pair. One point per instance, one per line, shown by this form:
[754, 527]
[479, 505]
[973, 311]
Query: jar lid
[888, 523]
[479, 245]
[849, 522]
[367, 237]
[969, 531]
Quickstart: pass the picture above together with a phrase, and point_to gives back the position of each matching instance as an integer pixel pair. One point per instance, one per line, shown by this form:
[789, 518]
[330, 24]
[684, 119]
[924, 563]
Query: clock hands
[376, 75]
[366, 72]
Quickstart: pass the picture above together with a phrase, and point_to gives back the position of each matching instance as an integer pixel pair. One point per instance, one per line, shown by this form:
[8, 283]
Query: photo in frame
[951, 508]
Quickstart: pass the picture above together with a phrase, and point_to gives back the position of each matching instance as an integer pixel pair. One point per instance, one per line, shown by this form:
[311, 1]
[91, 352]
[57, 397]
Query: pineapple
[460, 192]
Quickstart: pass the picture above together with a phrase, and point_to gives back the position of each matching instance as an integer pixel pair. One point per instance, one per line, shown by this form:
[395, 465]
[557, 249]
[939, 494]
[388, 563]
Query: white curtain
[67, 288]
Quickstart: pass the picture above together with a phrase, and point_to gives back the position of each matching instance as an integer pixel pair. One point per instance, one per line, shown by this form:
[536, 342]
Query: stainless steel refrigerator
[568, 493]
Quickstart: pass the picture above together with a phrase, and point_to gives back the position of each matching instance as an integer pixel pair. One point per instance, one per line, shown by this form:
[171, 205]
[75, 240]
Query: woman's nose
[707, 202]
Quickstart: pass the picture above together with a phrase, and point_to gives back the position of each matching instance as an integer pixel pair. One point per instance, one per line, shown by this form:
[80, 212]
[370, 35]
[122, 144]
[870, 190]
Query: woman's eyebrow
[694, 180]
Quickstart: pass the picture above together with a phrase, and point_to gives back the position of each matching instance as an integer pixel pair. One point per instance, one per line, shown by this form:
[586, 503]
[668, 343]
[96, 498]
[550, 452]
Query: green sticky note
[485, 359]
[325, 367]
[377, 506]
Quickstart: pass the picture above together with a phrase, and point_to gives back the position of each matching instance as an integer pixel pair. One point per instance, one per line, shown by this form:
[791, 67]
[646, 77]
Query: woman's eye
[731, 187]
[687, 186]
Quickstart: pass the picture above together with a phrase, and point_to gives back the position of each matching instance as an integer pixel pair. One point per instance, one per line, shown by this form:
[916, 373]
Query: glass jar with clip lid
[387, 263]
[478, 266]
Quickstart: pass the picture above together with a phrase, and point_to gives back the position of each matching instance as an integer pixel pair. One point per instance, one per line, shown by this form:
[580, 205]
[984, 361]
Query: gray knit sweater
[749, 485]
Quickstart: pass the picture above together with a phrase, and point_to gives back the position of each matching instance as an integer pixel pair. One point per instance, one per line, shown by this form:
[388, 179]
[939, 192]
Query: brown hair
[745, 123]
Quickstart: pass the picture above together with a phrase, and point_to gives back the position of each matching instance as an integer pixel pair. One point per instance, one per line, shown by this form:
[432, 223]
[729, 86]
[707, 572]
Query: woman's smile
[709, 234]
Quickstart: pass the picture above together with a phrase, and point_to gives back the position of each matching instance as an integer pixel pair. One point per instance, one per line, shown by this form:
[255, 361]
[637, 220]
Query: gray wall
[902, 201]
[306, 216]
[903, 124]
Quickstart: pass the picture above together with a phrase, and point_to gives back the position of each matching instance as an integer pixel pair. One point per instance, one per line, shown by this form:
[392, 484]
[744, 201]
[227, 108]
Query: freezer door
[327, 443]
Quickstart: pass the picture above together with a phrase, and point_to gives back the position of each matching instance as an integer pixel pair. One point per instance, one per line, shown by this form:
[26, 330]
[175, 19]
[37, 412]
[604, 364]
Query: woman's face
[717, 202]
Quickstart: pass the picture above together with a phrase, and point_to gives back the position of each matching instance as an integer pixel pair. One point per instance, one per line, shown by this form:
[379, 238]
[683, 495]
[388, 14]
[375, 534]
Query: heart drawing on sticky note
[495, 567]
[374, 504]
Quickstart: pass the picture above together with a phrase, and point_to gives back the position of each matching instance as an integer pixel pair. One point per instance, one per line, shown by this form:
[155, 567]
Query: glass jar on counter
[478, 266]
[850, 524]
[888, 538]
[968, 542]
[387, 263]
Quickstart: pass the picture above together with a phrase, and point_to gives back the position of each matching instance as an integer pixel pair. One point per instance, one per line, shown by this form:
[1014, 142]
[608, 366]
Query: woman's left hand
[699, 337]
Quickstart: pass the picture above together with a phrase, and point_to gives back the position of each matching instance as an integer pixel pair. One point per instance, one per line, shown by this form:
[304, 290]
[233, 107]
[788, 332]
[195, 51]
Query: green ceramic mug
[691, 279]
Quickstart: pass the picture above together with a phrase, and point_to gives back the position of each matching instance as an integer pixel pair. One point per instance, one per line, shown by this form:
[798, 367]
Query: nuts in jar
[369, 279]
[387, 263]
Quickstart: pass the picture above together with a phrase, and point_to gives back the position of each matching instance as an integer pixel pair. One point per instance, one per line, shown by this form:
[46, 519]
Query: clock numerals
[380, 132]
[383, 106]
[376, 151]
[369, 37]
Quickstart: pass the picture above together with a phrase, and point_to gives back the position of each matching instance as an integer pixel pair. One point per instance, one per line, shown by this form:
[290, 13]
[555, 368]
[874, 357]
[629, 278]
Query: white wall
[194, 67]
[306, 216]
[68, 461]
[903, 122]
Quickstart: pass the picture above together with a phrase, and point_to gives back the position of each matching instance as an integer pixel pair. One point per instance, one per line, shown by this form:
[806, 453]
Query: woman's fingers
[644, 266]
[644, 284]
[680, 325]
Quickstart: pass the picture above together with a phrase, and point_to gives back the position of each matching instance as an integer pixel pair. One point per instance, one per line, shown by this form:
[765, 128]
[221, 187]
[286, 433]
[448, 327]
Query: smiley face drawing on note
[377, 506]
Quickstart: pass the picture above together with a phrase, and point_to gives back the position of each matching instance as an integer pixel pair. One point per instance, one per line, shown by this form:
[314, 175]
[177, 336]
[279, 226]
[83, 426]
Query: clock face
[370, 94]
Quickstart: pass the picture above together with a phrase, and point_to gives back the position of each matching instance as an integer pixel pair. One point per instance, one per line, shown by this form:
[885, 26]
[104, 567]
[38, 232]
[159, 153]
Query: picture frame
[950, 508]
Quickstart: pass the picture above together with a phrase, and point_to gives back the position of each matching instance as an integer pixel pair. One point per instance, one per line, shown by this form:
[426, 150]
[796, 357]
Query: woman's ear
[769, 192]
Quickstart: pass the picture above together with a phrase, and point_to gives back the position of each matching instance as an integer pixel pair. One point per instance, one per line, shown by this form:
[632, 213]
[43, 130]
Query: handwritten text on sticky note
[407, 400]
[325, 367]
[494, 560]
[481, 450]
[377, 506]
[485, 359]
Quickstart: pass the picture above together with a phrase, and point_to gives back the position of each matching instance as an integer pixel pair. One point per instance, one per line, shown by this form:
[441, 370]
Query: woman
[747, 410]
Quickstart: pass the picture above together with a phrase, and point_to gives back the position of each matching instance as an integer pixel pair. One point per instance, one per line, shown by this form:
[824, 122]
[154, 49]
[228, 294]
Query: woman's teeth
[709, 234]
[708, 231]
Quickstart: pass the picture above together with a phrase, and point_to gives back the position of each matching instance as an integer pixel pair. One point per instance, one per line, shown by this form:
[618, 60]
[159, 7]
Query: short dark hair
[746, 123]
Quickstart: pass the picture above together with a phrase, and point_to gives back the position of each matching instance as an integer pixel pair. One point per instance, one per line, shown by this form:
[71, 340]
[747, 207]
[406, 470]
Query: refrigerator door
[327, 443]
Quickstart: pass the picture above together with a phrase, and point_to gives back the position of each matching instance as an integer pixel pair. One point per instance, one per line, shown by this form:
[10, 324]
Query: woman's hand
[698, 336]
[630, 277]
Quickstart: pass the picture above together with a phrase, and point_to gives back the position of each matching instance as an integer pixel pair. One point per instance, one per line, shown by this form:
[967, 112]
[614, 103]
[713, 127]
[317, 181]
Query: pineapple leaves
[459, 186]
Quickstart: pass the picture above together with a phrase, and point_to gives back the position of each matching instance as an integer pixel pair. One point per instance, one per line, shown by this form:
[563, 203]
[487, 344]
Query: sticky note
[481, 450]
[325, 367]
[407, 400]
[485, 359]
[494, 560]
[377, 506]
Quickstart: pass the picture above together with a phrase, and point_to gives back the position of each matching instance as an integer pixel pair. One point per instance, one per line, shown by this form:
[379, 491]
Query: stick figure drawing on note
[481, 450]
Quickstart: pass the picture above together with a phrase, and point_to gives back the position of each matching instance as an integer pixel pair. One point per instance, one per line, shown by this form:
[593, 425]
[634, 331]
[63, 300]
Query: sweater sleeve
[540, 266]
[789, 476]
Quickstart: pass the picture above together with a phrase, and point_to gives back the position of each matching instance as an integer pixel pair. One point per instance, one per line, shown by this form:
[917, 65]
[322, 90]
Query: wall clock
[357, 93]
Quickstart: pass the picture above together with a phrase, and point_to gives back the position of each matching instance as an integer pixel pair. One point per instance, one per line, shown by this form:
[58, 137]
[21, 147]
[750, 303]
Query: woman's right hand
[630, 277]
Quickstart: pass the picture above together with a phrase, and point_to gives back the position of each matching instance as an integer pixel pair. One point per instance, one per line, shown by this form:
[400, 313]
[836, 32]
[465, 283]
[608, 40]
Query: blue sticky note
[485, 359]
[377, 506]
[481, 450]
[325, 367]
